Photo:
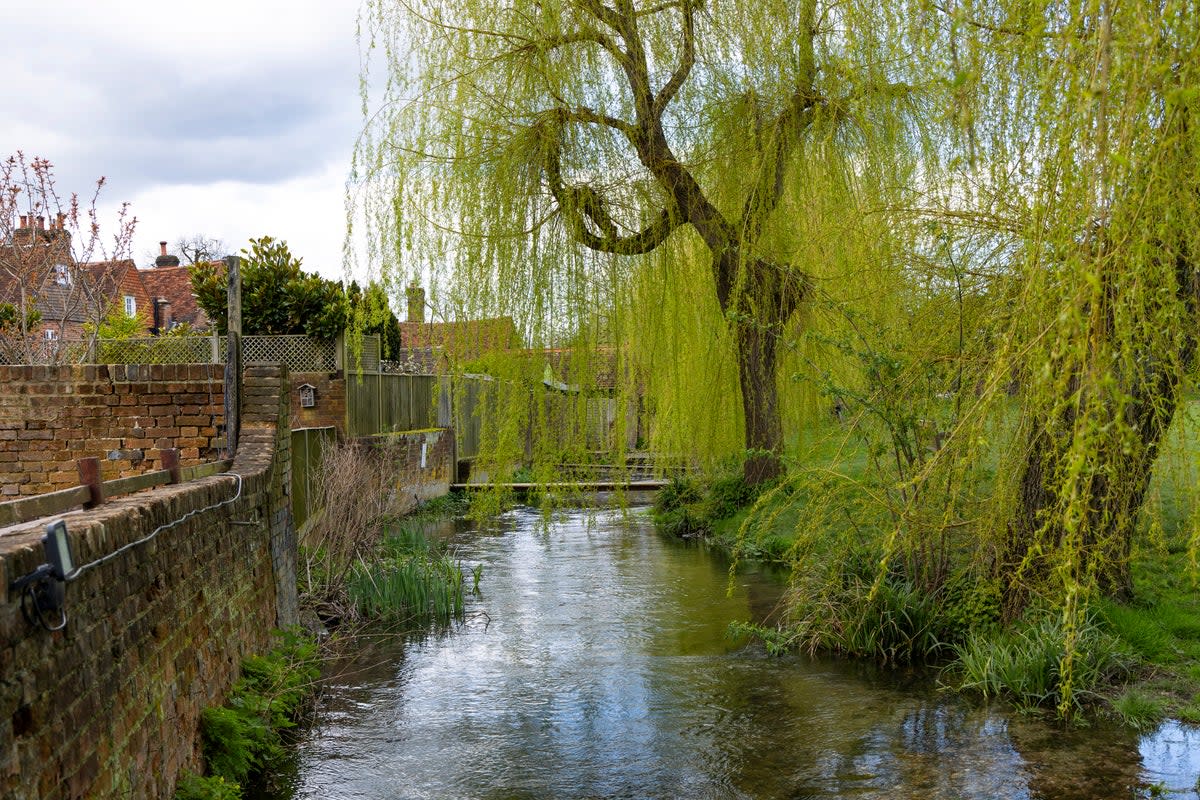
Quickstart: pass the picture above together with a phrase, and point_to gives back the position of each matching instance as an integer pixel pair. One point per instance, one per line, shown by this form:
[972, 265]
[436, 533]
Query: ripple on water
[597, 666]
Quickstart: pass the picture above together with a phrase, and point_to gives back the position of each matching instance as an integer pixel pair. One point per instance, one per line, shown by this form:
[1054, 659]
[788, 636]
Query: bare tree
[46, 293]
[200, 249]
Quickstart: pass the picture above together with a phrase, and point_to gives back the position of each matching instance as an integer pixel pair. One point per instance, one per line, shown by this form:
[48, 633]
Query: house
[116, 286]
[39, 273]
[169, 287]
[460, 340]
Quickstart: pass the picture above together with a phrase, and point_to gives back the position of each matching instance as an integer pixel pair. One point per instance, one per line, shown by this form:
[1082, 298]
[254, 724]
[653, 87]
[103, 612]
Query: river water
[596, 664]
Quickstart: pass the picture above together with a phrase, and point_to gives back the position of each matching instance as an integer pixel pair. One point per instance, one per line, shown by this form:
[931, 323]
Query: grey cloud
[143, 121]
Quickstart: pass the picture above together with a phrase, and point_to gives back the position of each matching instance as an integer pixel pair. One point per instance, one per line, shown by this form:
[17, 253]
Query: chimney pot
[416, 303]
[41, 222]
[24, 220]
[163, 245]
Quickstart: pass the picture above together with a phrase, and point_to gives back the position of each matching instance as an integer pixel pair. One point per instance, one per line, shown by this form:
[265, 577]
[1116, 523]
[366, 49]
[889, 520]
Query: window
[62, 275]
[130, 306]
[51, 335]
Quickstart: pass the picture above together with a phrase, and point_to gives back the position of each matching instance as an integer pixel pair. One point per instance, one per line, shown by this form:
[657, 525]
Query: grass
[1139, 663]
[1024, 663]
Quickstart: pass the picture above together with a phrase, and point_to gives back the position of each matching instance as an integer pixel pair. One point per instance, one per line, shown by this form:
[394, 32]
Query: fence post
[233, 353]
[170, 462]
[89, 476]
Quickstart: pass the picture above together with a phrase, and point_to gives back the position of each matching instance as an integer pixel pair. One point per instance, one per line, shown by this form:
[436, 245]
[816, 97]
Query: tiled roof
[175, 284]
[462, 340]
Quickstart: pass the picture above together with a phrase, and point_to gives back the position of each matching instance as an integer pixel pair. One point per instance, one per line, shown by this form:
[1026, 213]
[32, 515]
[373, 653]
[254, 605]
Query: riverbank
[1138, 661]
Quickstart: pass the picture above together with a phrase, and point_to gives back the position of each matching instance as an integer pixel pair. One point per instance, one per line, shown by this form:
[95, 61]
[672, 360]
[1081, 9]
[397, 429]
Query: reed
[410, 579]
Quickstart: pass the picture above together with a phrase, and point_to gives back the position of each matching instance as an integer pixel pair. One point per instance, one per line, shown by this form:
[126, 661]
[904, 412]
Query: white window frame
[130, 306]
[51, 335]
[62, 275]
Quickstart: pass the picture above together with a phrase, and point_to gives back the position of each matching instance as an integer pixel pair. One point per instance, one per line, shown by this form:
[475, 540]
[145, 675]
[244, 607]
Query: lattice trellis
[300, 353]
[160, 350]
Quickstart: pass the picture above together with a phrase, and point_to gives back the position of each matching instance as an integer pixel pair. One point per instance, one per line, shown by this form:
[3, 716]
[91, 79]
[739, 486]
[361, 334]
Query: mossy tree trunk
[1117, 474]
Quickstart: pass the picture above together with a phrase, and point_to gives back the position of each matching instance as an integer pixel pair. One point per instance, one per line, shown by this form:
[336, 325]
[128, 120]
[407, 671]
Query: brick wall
[109, 706]
[124, 414]
[330, 410]
[417, 479]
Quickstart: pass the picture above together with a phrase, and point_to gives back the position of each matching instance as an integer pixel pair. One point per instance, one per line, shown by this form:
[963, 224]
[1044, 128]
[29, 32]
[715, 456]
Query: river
[595, 663]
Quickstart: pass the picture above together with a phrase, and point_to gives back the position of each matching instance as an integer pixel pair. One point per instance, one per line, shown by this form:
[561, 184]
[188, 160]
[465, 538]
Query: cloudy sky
[225, 118]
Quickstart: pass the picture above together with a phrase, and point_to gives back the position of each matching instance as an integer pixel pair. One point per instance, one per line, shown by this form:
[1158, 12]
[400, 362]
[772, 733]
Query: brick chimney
[416, 303]
[162, 314]
[165, 260]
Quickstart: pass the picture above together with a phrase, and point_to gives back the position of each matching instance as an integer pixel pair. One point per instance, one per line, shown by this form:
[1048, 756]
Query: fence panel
[468, 415]
[422, 413]
[307, 447]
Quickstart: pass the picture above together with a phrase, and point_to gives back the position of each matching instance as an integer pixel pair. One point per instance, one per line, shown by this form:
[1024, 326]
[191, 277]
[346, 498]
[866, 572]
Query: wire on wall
[75, 573]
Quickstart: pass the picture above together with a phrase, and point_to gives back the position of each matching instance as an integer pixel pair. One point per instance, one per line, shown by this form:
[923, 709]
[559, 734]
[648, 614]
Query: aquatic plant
[409, 579]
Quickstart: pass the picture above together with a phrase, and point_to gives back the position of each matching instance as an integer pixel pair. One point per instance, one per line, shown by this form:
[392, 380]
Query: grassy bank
[1138, 661]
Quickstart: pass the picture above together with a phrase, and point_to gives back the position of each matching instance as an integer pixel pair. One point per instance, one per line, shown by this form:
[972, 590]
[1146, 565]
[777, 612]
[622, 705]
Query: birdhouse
[308, 395]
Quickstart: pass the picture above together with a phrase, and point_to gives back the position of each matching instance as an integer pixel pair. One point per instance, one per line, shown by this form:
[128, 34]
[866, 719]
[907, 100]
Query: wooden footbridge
[577, 478]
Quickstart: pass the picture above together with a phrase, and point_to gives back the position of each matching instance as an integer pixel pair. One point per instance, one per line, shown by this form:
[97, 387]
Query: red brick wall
[109, 706]
[123, 414]
[330, 410]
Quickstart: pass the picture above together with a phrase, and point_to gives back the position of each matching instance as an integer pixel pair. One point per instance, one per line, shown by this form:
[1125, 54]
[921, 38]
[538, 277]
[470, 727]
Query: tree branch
[686, 61]
[580, 203]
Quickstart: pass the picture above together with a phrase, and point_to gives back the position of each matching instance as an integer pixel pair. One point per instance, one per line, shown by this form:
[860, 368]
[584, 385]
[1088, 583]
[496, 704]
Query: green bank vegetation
[360, 564]
[853, 591]
[242, 739]
[927, 273]
[361, 569]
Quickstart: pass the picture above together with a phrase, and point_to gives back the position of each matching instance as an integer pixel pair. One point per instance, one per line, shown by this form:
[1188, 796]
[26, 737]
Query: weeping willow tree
[568, 161]
[1084, 124]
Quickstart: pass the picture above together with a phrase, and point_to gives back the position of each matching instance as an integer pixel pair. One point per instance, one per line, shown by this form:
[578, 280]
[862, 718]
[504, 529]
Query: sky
[226, 119]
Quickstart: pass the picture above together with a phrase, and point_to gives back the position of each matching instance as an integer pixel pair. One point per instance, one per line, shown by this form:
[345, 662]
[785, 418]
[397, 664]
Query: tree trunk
[1116, 492]
[760, 402]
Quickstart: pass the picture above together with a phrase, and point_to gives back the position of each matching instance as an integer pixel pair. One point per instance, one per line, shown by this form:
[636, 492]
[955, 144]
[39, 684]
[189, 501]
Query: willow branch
[765, 195]
[686, 62]
[580, 204]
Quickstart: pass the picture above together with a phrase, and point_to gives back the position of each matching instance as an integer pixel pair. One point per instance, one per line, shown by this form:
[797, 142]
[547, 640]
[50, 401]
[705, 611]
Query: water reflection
[596, 665]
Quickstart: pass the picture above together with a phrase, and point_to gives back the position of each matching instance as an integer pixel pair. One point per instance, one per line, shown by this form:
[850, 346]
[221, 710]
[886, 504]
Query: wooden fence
[308, 444]
[379, 403]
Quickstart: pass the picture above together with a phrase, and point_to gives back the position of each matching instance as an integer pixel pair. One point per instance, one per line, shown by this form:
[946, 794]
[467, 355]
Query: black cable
[38, 616]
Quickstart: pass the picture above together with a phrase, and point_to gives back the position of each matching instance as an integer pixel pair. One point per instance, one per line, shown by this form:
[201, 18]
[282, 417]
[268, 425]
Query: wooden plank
[14, 512]
[51, 504]
[580, 486]
[136, 483]
[205, 470]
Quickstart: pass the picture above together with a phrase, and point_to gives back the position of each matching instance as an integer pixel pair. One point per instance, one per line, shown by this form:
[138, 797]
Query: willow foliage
[967, 230]
[678, 180]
